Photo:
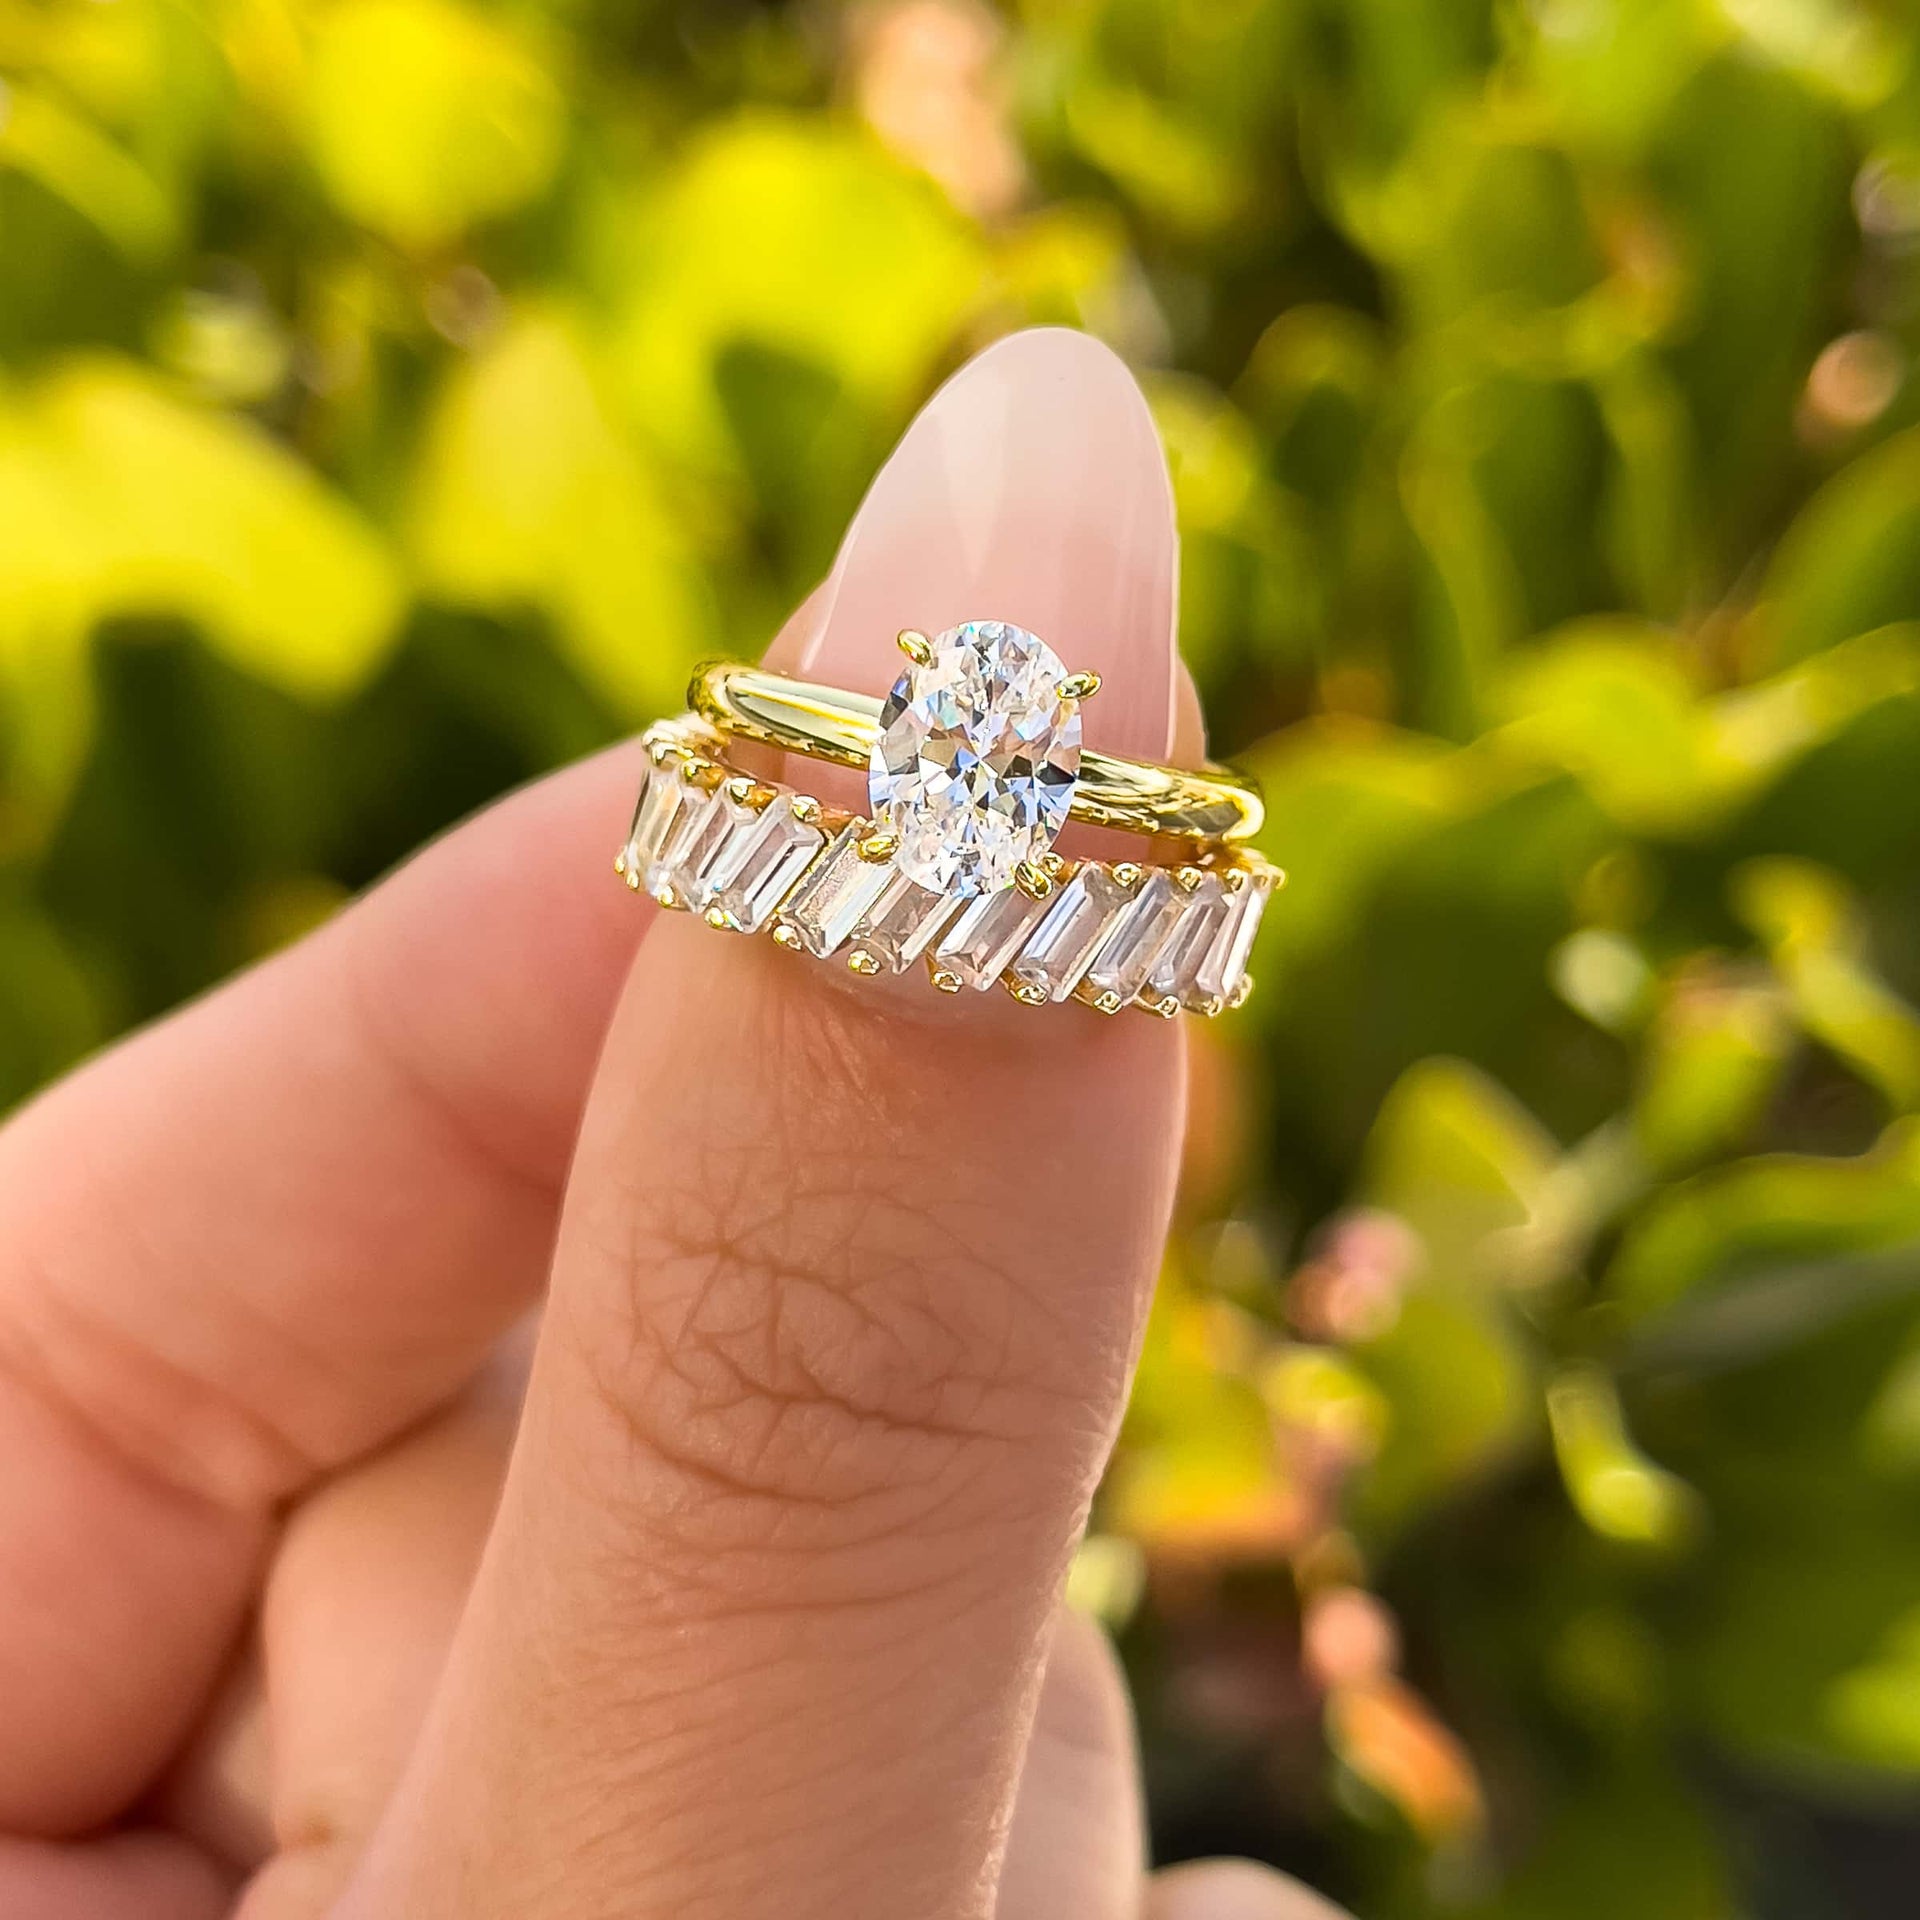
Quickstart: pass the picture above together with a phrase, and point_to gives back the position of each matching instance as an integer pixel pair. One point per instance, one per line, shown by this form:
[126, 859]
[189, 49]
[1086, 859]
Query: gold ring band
[826, 723]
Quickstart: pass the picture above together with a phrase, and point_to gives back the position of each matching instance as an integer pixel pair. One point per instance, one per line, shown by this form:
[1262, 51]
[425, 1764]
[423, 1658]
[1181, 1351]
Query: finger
[1078, 1844]
[1233, 1890]
[845, 1300]
[264, 1235]
[129, 1876]
[362, 1605]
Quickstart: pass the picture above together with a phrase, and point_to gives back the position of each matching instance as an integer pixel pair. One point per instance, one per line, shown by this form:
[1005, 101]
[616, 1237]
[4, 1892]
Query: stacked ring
[974, 764]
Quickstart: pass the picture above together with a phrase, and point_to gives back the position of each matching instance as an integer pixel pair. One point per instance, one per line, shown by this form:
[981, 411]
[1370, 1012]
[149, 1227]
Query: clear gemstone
[901, 923]
[653, 823]
[698, 827]
[754, 875]
[1179, 959]
[836, 893]
[977, 947]
[1076, 921]
[1220, 972]
[1120, 969]
[729, 833]
[977, 757]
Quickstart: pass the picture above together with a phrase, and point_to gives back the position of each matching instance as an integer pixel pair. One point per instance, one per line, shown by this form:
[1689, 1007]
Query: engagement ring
[974, 764]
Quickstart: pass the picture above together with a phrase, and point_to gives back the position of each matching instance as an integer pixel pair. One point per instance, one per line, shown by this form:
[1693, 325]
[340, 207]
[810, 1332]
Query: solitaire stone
[978, 753]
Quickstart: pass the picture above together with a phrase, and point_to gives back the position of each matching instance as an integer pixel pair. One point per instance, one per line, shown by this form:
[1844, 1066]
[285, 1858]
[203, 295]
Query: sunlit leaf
[801, 238]
[531, 493]
[426, 116]
[140, 503]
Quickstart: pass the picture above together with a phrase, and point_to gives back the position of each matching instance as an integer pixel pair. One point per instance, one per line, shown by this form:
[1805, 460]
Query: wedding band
[974, 765]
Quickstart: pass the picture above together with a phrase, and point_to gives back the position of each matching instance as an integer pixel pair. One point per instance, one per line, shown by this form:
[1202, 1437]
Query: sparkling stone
[1078, 918]
[978, 753]
[1220, 972]
[653, 823]
[988, 933]
[835, 895]
[1179, 959]
[901, 923]
[755, 872]
[727, 834]
[697, 830]
[1120, 968]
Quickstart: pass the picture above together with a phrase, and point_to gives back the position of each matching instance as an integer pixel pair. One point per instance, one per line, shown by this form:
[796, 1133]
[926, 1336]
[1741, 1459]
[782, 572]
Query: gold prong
[1166, 1006]
[660, 752]
[1026, 992]
[664, 896]
[862, 962]
[1188, 878]
[947, 982]
[1279, 878]
[1234, 879]
[719, 920]
[879, 846]
[1035, 882]
[706, 774]
[1211, 1006]
[1108, 1002]
[1238, 997]
[1054, 866]
[788, 937]
[1126, 873]
[620, 863]
[915, 645]
[739, 789]
[1080, 686]
[805, 809]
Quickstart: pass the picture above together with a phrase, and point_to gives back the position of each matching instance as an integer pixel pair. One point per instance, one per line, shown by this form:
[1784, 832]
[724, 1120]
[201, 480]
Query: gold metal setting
[687, 749]
[1213, 805]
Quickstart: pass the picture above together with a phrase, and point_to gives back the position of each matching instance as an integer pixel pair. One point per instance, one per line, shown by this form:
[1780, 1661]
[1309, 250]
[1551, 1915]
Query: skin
[331, 1585]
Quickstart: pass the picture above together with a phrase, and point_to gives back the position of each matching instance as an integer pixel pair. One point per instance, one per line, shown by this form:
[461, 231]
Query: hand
[740, 1600]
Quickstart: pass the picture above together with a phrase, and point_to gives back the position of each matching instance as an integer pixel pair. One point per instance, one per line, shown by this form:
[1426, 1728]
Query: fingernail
[1031, 488]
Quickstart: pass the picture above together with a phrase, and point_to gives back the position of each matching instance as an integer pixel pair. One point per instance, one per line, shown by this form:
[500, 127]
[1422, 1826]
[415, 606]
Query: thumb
[848, 1287]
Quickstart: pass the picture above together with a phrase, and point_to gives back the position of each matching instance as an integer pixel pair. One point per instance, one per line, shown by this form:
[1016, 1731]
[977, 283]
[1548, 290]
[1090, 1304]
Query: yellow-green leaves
[805, 240]
[120, 498]
[530, 494]
[427, 116]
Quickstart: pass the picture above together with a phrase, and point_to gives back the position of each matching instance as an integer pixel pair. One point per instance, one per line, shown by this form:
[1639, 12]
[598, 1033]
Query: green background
[1519, 1514]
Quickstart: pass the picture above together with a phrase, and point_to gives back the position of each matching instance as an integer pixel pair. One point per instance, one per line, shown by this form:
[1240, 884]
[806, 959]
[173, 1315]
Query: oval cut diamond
[977, 757]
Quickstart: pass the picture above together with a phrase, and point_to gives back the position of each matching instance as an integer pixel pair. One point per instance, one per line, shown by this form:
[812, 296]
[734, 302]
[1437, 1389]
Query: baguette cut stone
[988, 933]
[1120, 968]
[653, 822]
[697, 829]
[1220, 972]
[1077, 920]
[1179, 960]
[836, 895]
[978, 754]
[900, 925]
[728, 835]
[765, 867]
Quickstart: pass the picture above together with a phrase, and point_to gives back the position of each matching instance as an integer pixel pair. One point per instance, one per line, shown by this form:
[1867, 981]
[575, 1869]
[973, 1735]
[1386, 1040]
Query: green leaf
[426, 117]
[1735, 1222]
[803, 239]
[531, 494]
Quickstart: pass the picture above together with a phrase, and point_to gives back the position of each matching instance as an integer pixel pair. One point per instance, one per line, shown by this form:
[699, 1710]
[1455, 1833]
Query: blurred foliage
[1519, 1514]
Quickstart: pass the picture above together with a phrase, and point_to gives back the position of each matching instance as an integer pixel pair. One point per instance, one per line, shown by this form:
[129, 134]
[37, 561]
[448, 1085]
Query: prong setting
[746, 856]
